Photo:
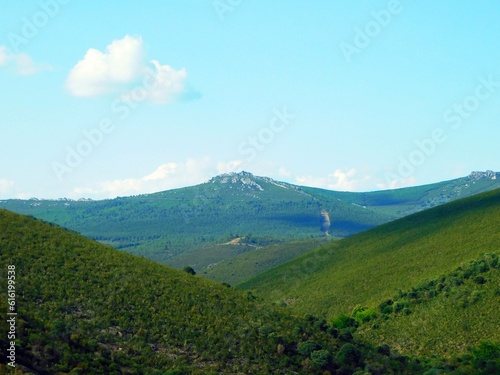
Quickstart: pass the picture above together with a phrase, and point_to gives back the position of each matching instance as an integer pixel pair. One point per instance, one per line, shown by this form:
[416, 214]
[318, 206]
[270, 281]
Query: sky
[105, 99]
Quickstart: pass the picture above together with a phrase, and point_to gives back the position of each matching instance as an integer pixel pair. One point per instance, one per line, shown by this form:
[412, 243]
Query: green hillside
[405, 201]
[163, 225]
[242, 266]
[444, 316]
[83, 307]
[372, 266]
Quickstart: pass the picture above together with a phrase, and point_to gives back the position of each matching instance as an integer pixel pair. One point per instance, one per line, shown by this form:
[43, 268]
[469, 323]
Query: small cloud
[161, 172]
[168, 83]
[123, 67]
[101, 72]
[167, 176]
[20, 63]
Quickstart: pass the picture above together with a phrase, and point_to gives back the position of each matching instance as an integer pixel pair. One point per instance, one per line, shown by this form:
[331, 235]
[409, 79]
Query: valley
[390, 287]
[165, 225]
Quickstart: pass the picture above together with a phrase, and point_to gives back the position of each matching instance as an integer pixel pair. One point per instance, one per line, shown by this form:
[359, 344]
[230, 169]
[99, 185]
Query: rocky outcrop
[488, 175]
[325, 222]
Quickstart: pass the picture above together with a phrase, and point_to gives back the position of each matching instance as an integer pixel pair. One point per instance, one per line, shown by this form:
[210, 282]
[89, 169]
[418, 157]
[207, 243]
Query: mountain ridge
[163, 225]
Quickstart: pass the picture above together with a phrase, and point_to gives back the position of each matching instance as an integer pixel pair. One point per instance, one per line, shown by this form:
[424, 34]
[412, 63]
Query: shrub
[362, 314]
[349, 355]
[399, 307]
[189, 269]
[487, 351]
[307, 347]
[320, 358]
[479, 280]
[387, 310]
[320, 324]
[342, 321]
[384, 349]
[384, 304]
[483, 267]
[346, 335]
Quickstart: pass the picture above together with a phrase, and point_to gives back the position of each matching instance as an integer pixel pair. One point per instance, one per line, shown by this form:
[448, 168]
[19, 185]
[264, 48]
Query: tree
[189, 269]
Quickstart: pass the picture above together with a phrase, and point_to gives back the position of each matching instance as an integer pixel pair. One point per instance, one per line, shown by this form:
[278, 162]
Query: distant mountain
[162, 226]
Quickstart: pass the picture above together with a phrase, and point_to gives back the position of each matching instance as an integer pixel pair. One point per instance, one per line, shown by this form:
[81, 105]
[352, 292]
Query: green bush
[320, 358]
[349, 355]
[307, 347]
[487, 351]
[342, 321]
[384, 304]
[189, 270]
[479, 280]
[362, 314]
[387, 310]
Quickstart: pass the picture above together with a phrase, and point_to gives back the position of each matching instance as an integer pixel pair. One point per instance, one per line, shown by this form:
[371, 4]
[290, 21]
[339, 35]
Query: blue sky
[106, 99]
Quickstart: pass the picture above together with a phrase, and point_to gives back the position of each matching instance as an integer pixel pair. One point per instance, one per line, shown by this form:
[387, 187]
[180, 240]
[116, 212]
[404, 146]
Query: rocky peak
[244, 180]
[247, 181]
[479, 175]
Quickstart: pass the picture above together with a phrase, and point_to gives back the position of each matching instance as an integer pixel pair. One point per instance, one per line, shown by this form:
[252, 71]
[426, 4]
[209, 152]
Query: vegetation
[205, 257]
[445, 316]
[163, 225]
[86, 308]
[235, 262]
[372, 266]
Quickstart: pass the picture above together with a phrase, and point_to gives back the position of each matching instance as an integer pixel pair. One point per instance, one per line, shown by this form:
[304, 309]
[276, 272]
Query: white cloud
[340, 179]
[122, 67]
[168, 83]
[162, 172]
[20, 63]
[99, 73]
[6, 186]
[167, 176]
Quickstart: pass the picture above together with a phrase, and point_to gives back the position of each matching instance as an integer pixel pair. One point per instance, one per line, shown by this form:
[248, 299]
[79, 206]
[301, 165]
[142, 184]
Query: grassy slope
[373, 265]
[246, 265]
[445, 316]
[87, 308]
[205, 257]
